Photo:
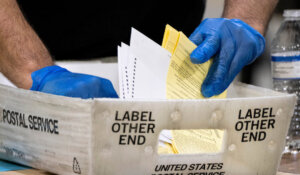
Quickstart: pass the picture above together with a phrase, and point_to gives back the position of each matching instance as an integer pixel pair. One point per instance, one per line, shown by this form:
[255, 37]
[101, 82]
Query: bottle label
[286, 67]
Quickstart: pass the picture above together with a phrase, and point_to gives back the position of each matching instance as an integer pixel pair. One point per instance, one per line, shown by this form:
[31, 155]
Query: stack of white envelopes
[143, 68]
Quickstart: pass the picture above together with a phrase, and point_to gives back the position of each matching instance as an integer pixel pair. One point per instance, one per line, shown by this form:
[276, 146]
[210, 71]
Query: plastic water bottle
[285, 54]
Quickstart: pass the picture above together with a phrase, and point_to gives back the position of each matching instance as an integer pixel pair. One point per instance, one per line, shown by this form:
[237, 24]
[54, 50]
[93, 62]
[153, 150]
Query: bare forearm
[256, 13]
[21, 50]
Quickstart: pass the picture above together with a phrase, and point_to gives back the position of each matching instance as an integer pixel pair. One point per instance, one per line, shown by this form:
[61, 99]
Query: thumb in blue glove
[60, 81]
[233, 43]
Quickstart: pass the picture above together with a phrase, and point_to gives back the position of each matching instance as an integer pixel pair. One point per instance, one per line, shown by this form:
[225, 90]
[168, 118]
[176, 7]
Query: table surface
[290, 165]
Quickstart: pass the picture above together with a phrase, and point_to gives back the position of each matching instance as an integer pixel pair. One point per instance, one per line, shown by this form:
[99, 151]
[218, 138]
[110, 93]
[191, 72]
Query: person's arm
[21, 50]
[256, 13]
[233, 41]
[26, 62]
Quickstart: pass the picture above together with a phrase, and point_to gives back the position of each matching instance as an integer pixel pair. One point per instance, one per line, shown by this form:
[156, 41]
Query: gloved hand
[60, 81]
[232, 43]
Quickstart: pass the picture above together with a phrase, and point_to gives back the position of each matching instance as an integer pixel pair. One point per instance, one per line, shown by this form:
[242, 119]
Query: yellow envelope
[197, 141]
[184, 78]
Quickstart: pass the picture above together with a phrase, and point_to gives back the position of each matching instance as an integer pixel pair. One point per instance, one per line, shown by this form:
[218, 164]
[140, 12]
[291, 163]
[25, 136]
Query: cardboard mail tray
[112, 136]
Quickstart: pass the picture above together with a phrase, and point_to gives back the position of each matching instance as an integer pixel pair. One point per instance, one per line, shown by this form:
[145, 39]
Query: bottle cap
[291, 13]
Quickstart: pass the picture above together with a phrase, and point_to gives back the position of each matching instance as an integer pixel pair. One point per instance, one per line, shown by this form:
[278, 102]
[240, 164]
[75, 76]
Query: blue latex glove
[232, 42]
[60, 81]
[9, 166]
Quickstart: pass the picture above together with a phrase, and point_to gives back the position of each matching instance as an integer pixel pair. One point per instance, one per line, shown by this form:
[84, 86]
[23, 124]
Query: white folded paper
[143, 68]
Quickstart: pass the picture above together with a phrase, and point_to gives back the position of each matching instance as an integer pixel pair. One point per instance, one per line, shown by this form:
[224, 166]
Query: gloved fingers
[205, 50]
[214, 83]
[197, 37]
[91, 87]
[203, 30]
[240, 60]
[246, 51]
[59, 81]
[108, 89]
[39, 76]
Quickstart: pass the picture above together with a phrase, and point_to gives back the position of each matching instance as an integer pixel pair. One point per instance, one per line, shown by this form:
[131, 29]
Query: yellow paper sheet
[167, 148]
[200, 141]
[197, 141]
[184, 81]
[184, 78]
[170, 39]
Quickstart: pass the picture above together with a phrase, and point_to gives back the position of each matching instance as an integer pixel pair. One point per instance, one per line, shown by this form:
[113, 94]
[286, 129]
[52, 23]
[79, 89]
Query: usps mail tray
[112, 136]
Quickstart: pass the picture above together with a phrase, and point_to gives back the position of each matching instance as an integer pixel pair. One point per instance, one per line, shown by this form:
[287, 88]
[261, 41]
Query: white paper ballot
[120, 73]
[123, 62]
[165, 136]
[151, 63]
[143, 67]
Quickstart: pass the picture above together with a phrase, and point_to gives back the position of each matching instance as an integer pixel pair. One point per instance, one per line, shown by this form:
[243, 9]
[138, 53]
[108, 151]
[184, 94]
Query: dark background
[93, 29]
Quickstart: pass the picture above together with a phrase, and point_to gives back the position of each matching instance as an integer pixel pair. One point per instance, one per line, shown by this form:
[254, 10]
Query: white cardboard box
[83, 136]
